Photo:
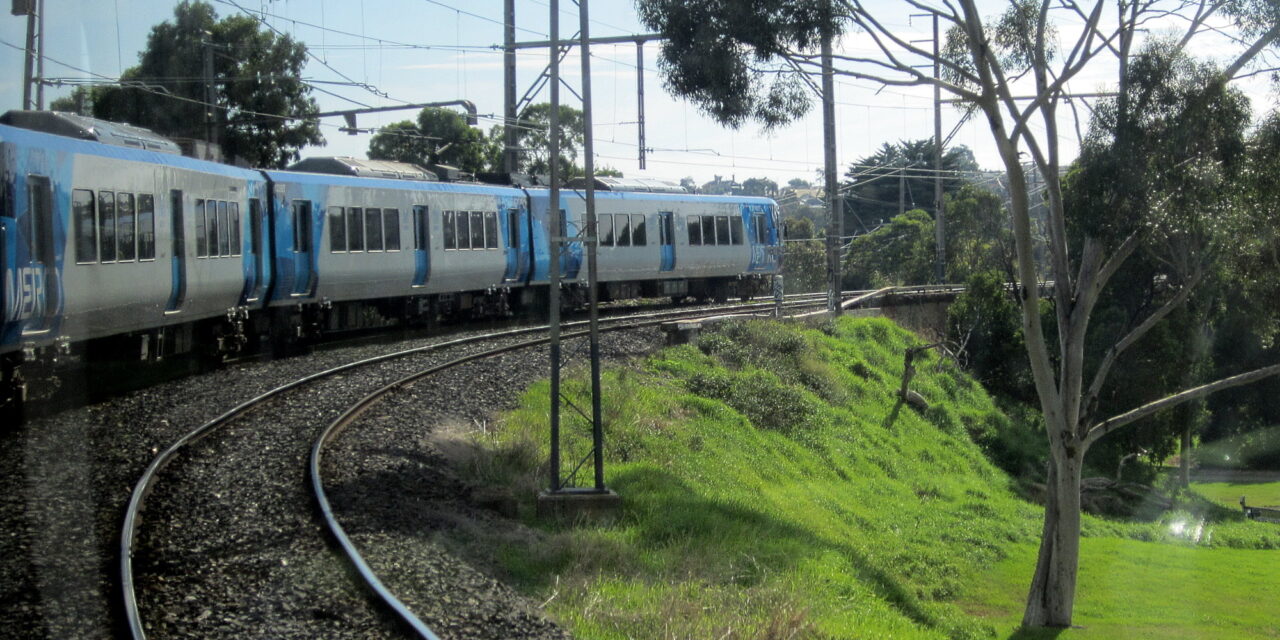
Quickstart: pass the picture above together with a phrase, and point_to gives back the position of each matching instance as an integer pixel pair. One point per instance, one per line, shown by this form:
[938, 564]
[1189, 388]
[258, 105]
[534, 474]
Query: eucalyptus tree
[261, 106]
[440, 136]
[1015, 70]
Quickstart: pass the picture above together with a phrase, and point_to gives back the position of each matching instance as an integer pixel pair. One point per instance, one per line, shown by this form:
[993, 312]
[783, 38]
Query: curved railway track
[146, 483]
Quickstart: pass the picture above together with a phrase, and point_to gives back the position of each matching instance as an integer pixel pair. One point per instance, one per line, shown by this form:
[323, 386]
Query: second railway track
[269, 566]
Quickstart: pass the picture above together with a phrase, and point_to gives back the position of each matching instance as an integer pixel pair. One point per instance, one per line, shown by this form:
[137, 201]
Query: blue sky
[452, 56]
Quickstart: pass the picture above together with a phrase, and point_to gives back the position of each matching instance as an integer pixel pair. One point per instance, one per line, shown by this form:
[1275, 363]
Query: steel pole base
[575, 505]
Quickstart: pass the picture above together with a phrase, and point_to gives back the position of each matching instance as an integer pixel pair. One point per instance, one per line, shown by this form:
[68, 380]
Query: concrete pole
[556, 240]
[29, 63]
[588, 167]
[940, 219]
[40, 56]
[640, 96]
[210, 95]
[509, 131]
[835, 203]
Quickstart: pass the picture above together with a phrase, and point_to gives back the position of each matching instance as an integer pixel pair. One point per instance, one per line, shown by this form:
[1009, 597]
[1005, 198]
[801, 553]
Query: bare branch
[1105, 427]
[1246, 57]
[1104, 368]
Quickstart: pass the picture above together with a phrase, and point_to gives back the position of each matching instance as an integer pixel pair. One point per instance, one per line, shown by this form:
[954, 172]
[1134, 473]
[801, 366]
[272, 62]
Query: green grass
[1227, 494]
[1130, 589]
[773, 488]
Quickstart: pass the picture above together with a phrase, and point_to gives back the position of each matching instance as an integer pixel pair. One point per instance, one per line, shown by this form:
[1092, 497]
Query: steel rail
[146, 482]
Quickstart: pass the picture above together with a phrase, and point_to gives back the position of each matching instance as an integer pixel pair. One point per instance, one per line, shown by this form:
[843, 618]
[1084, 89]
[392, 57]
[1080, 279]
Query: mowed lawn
[1131, 589]
[1258, 494]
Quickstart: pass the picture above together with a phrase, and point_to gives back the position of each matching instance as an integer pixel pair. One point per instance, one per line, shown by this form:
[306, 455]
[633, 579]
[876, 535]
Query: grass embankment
[1227, 494]
[774, 488]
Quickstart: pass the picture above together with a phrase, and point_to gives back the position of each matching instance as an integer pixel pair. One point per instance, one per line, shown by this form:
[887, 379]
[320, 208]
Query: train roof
[60, 143]
[73, 125]
[309, 178]
[349, 166]
[644, 185]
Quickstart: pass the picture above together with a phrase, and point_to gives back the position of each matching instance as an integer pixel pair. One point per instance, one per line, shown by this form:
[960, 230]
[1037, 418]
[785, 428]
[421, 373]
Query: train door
[36, 287]
[765, 251]
[421, 245]
[303, 273]
[256, 248]
[516, 251]
[178, 263]
[667, 236]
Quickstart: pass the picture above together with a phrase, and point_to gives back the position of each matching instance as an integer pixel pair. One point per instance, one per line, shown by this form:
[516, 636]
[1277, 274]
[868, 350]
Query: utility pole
[835, 202]
[509, 131]
[27, 8]
[588, 168]
[902, 189]
[940, 219]
[210, 95]
[556, 238]
[640, 97]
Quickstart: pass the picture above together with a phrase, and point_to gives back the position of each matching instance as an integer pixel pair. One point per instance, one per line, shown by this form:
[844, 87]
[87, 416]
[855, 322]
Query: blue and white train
[113, 243]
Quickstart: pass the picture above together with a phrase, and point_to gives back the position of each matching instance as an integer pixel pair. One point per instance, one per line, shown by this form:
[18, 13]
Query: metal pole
[902, 189]
[40, 56]
[834, 200]
[640, 96]
[28, 65]
[210, 129]
[940, 220]
[509, 87]
[556, 237]
[588, 168]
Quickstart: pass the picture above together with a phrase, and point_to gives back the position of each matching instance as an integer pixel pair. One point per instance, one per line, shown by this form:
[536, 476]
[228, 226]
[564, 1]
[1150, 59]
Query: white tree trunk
[1053, 588]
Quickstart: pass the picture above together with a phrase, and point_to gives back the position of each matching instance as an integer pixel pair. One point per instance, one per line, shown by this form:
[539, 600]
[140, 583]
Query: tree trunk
[1053, 589]
[1185, 454]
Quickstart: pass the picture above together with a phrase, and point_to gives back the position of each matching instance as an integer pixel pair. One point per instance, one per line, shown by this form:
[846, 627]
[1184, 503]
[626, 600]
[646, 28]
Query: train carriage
[125, 238]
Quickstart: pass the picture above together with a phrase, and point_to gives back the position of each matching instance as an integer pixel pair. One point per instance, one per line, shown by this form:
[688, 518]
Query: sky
[389, 52]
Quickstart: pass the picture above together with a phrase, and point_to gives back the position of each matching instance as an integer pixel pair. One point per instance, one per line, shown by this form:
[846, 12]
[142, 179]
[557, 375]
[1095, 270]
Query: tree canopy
[440, 136]
[262, 106]
[902, 172]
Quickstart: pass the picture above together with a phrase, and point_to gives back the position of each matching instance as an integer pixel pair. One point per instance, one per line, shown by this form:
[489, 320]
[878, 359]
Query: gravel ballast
[229, 544]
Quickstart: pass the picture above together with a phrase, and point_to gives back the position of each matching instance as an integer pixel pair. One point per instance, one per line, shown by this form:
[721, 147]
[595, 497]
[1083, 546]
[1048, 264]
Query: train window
[224, 230]
[126, 232]
[450, 231]
[301, 226]
[735, 229]
[391, 229]
[604, 229]
[421, 232]
[464, 230]
[202, 247]
[622, 230]
[233, 213]
[758, 226]
[491, 229]
[337, 230]
[722, 229]
[477, 230]
[638, 238]
[211, 226]
[355, 229]
[107, 225]
[373, 229]
[667, 224]
[695, 230]
[82, 210]
[255, 228]
[709, 230]
[513, 227]
[146, 226]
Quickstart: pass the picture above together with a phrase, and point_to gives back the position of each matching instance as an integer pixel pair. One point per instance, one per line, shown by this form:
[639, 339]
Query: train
[116, 244]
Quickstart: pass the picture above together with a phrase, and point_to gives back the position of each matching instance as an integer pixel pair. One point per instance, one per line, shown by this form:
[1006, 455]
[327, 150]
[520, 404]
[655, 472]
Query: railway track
[516, 339]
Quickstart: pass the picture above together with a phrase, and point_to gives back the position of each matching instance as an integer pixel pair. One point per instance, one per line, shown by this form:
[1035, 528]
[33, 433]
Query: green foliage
[978, 237]
[875, 186]
[440, 136]
[805, 266]
[899, 253]
[534, 140]
[726, 56]
[259, 73]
